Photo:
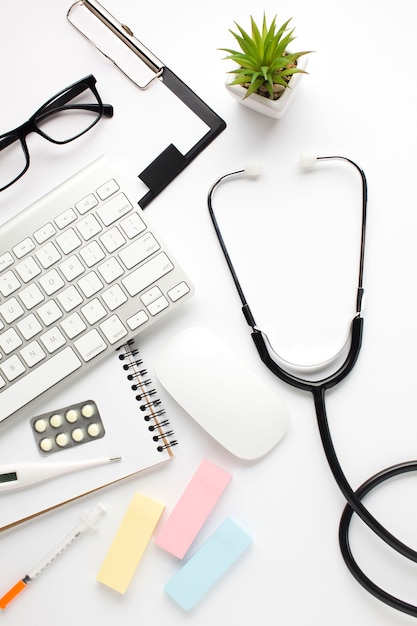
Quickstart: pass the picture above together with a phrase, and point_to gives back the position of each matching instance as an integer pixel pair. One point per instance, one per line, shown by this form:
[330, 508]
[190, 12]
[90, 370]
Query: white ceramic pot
[266, 106]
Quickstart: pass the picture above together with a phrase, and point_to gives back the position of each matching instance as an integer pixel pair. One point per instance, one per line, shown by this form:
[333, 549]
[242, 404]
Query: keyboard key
[32, 353]
[138, 251]
[53, 339]
[9, 340]
[132, 225]
[147, 274]
[73, 325]
[110, 270]
[68, 241]
[90, 345]
[31, 296]
[12, 368]
[92, 254]
[48, 255]
[87, 203]
[113, 209]
[67, 217]
[108, 189]
[94, 311]
[29, 326]
[71, 268]
[28, 269]
[44, 233]
[6, 260]
[112, 240]
[88, 227]
[113, 329]
[158, 305]
[137, 320]
[151, 295]
[8, 283]
[49, 312]
[90, 284]
[69, 298]
[114, 297]
[178, 291]
[51, 282]
[11, 310]
[24, 247]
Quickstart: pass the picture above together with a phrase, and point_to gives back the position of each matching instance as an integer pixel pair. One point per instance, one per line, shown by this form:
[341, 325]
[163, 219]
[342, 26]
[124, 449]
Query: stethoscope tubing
[344, 543]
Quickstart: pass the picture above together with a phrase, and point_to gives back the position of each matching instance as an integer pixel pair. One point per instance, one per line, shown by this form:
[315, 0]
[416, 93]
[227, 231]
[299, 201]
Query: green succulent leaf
[263, 58]
[253, 87]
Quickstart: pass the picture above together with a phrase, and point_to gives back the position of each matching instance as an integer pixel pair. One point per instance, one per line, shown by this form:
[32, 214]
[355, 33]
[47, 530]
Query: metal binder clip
[171, 161]
[124, 33]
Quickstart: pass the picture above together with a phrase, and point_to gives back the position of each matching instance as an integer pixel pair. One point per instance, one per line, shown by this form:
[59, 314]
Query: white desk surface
[294, 238]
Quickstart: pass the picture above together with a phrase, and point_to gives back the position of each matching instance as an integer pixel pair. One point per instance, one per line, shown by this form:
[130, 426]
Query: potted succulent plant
[268, 71]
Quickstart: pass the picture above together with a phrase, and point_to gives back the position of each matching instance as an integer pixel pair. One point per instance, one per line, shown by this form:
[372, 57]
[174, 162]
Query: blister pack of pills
[67, 427]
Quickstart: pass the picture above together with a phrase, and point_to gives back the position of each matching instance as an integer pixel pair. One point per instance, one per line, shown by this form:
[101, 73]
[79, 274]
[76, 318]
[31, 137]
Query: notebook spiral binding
[149, 405]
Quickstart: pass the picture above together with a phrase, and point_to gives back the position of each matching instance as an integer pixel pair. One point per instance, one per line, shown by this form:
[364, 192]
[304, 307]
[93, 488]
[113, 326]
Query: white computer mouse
[221, 393]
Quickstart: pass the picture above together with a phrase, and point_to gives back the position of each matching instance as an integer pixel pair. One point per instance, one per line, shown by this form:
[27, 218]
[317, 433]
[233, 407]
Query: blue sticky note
[208, 564]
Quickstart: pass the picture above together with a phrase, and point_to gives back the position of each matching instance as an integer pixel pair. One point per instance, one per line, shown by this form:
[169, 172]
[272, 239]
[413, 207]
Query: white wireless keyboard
[80, 274]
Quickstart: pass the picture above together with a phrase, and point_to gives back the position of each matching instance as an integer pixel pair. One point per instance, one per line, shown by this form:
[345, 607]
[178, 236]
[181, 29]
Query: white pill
[71, 416]
[55, 420]
[87, 410]
[62, 440]
[77, 434]
[40, 425]
[93, 430]
[46, 445]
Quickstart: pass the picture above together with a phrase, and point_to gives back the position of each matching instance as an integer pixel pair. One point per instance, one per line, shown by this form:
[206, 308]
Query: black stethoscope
[318, 389]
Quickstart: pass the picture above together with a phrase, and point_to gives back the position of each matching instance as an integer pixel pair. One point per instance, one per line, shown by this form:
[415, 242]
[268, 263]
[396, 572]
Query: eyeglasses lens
[70, 114]
[12, 159]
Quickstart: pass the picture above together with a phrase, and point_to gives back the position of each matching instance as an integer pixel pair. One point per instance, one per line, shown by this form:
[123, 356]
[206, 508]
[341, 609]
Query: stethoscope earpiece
[252, 170]
[307, 160]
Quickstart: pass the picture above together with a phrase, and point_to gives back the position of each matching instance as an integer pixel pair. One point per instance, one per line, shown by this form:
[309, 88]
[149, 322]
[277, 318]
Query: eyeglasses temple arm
[107, 109]
[7, 141]
[58, 104]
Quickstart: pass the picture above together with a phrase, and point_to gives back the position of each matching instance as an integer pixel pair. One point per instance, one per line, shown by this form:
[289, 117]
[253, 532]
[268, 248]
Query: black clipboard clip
[165, 167]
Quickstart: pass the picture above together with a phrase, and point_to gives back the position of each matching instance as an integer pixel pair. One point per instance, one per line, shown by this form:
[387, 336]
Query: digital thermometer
[22, 475]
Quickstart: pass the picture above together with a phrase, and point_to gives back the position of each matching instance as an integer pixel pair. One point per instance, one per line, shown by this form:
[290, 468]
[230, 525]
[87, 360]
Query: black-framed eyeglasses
[64, 117]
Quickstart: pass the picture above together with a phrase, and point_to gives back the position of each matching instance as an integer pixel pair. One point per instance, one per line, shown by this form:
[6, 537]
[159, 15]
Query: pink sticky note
[193, 508]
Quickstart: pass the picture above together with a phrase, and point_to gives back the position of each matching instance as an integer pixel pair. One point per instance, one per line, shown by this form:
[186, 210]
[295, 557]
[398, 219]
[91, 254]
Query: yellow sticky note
[129, 543]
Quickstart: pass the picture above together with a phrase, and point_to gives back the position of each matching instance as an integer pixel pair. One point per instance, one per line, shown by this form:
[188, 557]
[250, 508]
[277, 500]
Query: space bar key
[36, 382]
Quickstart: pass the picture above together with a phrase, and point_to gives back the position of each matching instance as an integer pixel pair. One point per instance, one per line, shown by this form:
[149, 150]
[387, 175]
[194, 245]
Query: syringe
[87, 521]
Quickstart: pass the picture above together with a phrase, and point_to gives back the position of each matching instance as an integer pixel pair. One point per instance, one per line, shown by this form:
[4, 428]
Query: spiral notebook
[131, 424]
